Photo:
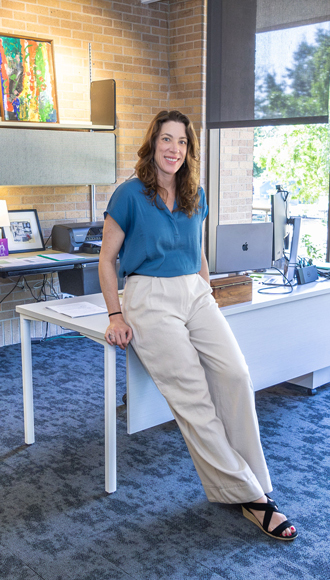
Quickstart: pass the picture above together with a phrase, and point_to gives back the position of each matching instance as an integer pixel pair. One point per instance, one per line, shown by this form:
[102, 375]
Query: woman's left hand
[118, 332]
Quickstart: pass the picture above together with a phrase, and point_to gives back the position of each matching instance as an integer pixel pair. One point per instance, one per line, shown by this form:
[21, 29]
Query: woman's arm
[118, 332]
[204, 271]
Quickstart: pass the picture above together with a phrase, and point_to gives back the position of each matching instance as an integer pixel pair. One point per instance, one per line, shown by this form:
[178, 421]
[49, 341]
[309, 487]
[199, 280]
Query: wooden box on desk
[232, 290]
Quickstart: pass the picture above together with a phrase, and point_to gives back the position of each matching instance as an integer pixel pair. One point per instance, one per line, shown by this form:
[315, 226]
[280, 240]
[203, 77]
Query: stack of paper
[75, 310]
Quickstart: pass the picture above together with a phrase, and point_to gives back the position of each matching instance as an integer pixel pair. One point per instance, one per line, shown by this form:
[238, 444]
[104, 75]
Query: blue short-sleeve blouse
[157, 242]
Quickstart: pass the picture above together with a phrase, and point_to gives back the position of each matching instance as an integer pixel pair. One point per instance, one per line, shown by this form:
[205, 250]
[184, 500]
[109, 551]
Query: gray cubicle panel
[56, 157]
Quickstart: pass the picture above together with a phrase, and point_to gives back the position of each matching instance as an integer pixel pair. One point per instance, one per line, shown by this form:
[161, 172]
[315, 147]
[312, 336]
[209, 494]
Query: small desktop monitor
[243, 247]
[279, 213]
[286, 233]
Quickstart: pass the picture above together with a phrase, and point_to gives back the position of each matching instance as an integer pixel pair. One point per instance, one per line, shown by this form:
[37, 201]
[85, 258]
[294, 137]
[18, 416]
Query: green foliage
[257, 169]
[313, 252]
[304, 90]
[295, 156]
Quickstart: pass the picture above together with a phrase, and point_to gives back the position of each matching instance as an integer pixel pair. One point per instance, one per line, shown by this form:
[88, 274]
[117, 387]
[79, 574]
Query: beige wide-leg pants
[188, 348]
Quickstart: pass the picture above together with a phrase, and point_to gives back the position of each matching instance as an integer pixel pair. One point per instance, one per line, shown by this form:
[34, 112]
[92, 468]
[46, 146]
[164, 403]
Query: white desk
[284, 337]
[92, 327]
[281, 336]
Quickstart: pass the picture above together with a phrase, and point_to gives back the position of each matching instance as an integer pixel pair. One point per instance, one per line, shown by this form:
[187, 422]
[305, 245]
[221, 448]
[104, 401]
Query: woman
[156, 224]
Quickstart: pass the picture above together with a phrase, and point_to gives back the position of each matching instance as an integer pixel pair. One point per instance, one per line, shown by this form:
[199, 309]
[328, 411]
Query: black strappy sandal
[269, 508]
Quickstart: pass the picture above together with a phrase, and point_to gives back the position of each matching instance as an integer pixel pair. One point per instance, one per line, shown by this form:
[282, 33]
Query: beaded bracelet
[113, 313]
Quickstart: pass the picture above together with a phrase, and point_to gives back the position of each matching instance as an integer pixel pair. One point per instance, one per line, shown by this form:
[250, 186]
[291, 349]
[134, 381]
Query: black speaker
[84, 279]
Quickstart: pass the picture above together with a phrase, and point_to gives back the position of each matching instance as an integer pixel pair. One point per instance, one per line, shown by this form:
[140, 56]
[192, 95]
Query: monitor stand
[288, 269]
[291, 269]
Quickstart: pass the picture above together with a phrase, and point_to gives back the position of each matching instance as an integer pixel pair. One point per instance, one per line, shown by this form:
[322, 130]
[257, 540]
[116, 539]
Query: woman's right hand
[118, 332]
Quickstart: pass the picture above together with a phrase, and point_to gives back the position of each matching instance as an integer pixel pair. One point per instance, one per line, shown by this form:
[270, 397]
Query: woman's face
[170, 149]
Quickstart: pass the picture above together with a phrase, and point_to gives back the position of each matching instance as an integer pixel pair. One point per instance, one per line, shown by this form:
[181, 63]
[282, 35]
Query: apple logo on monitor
[245, 247]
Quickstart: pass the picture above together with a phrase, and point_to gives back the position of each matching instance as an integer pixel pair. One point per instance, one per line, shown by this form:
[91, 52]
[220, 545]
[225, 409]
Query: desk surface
[17, 264]
[277, 296]
[94, 325]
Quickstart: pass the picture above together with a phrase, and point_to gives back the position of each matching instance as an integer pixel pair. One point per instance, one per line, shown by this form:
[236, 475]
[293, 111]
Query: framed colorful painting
[27, 77]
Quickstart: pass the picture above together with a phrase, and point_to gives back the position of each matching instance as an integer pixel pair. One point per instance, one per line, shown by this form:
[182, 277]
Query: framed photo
[24, 232]
[27, 78]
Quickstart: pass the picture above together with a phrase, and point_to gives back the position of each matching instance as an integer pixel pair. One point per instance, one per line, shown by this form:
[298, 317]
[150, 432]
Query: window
[295, 157]
[268, 67]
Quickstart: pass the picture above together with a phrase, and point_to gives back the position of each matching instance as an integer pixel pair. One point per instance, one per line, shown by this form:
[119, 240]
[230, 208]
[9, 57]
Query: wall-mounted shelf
[55, 126]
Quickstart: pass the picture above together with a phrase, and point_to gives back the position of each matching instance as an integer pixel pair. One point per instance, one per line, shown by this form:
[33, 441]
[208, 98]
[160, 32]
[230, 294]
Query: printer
[81, 237]
[78, 237]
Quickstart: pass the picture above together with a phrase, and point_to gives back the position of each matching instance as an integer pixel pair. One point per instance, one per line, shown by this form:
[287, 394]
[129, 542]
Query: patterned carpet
[57, 523]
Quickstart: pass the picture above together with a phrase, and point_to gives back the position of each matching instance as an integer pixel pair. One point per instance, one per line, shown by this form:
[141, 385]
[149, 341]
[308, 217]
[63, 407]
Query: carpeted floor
[57, 523]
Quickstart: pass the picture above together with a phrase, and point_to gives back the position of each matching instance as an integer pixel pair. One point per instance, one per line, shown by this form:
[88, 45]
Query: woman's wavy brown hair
[187, 177]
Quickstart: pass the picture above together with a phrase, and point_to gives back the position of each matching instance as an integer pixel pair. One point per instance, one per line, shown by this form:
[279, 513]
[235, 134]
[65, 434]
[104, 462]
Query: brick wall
[155, 53]
[187, 65]
[236, 175]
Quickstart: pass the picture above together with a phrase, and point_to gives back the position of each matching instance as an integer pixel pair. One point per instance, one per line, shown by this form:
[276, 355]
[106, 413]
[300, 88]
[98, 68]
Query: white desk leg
[27, 380]
[110, 418]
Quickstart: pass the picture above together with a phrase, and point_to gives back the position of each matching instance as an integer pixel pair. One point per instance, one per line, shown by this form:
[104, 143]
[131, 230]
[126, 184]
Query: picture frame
[24, 232]
[27, 80]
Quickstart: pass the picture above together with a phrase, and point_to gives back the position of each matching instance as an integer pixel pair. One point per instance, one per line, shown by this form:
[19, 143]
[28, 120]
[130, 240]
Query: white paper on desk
[61, 257]
[75, 310]
[17, 262]
[95, 243]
